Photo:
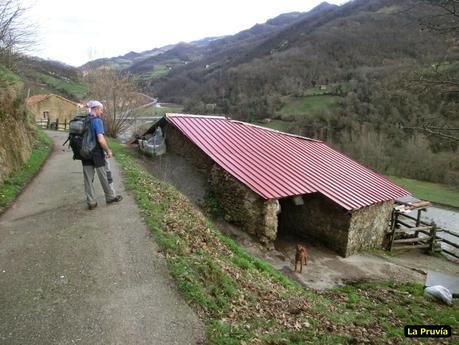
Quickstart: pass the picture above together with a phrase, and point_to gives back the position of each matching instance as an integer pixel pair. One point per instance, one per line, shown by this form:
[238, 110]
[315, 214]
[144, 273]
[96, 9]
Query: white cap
[94, 103]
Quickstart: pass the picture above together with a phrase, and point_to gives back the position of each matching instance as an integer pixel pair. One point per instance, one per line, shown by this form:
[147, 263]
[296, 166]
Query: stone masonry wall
[368, 227]
[243, 207]
[319, 218]
[178, 143]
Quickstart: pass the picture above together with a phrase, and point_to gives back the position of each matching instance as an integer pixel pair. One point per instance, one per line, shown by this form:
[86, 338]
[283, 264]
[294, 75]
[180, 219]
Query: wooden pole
[418, 221]
[392, 228]
[433, 234]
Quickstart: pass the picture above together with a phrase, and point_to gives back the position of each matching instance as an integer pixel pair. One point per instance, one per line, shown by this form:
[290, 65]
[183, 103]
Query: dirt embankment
[15, 131]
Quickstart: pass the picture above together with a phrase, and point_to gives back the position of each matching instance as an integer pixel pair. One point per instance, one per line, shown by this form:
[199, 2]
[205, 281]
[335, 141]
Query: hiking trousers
[105, 179]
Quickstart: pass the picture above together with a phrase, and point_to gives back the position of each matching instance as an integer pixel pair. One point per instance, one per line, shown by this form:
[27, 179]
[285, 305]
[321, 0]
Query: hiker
[98, 162]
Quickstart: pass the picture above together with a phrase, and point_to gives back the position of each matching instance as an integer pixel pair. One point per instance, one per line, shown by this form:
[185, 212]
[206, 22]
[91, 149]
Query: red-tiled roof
[276, 165]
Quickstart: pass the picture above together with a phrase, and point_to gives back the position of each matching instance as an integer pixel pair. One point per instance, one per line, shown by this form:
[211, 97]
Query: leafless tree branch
[17, 35]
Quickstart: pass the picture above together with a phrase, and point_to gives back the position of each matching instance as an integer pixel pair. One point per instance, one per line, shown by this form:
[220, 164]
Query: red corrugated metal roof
[276, 165]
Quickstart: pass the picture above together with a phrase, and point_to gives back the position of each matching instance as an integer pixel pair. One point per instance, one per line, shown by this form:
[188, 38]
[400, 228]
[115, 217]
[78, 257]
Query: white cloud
[70, 29]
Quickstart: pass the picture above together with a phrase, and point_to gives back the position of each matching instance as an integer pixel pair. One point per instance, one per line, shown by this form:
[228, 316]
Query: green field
[433, 192]
[79, 91]
[303, 106]
[157, 72]
[154, 111]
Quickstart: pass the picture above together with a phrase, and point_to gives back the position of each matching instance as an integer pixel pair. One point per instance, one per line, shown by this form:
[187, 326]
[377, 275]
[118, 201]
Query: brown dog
[301, 256]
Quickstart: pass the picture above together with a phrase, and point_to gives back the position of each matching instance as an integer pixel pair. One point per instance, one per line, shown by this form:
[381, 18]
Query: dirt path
[73, 276]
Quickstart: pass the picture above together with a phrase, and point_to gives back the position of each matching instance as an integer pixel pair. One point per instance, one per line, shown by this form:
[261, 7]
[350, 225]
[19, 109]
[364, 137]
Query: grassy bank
[434, 192]
[243, 300]
[18, 179]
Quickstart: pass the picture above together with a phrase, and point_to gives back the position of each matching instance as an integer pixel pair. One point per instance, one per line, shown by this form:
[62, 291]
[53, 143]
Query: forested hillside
[383, 78]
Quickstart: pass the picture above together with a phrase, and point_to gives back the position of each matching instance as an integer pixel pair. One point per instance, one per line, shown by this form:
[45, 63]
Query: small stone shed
[269, 182]
[52, 107]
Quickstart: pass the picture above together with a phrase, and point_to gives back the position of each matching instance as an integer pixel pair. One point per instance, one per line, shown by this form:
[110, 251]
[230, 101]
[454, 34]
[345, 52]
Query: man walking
[98, 163]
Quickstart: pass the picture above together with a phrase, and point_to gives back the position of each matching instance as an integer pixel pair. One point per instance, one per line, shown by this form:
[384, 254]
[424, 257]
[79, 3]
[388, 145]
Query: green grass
[304, 106]
[18, 179]
[433, 192]
[79, 91]
[243, 299]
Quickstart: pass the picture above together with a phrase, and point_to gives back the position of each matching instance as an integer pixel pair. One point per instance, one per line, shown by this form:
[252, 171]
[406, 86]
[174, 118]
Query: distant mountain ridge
[251, 71]
[183, 53]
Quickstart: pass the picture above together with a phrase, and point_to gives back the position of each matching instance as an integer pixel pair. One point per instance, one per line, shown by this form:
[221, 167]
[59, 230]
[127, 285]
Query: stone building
[52, 107]
[272, 183]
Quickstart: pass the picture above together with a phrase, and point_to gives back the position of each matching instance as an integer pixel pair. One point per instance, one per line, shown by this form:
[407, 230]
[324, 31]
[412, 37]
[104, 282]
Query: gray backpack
[81, 138]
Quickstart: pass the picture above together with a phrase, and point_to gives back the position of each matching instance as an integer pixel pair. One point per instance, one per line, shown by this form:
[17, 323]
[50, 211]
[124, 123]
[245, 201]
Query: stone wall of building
[368, 227]
[318, 218]
[178, 143]
[344, 232]
[243, 207]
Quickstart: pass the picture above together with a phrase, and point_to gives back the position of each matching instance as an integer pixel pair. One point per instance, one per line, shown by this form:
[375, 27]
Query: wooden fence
[56, 125]
[409, 232]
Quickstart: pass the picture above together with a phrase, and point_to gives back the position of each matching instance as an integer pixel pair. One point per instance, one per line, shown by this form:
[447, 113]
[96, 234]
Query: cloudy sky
[75, 32]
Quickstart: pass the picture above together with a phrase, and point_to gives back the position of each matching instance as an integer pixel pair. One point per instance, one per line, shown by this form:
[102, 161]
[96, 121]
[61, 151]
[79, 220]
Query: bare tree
[17, 35]
[119, 94]
[445, 16]
[443, 76]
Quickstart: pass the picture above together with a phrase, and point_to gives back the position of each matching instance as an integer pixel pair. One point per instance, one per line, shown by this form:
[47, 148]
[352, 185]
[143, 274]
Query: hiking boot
[92, 206]
[117, 198]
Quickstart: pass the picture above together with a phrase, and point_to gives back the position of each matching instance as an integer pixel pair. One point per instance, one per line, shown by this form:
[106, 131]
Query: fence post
[47, 123]
[392, 228]
[418, 222]
[57, 124]
[65, 124]
[433, 235]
